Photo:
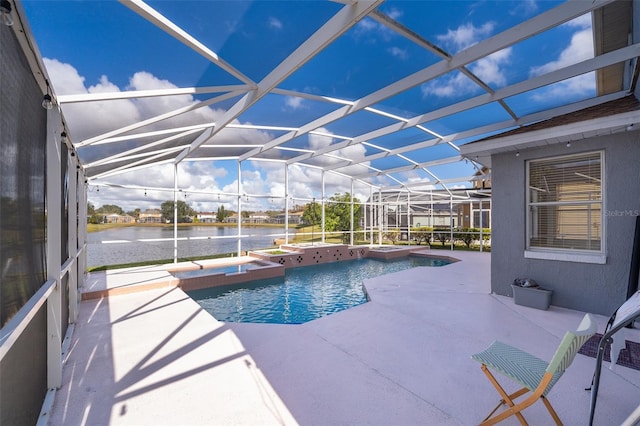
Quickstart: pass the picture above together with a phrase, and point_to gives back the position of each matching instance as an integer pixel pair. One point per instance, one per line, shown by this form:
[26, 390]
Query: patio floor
[154, 357]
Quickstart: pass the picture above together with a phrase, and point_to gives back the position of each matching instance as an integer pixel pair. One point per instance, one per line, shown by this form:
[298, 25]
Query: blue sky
[102, 46]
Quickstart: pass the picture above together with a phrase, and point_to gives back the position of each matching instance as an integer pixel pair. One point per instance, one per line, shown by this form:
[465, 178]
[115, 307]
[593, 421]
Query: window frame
[557, 253]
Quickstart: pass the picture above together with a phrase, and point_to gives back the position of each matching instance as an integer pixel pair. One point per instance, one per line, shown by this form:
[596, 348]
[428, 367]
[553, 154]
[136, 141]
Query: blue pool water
[304, 294]
[228, 269]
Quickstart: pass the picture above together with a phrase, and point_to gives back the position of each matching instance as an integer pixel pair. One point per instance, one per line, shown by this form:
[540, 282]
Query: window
[564, 205]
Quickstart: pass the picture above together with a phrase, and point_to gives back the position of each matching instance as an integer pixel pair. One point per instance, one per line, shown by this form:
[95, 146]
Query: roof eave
[628, 121]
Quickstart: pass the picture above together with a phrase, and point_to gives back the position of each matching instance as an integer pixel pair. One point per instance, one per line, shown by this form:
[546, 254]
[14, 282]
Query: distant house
[150, 216]
[231, 219]
[425, 215]
[294, 218]
[482, 179]
[207, 217]
[259, 217]
[118, 218]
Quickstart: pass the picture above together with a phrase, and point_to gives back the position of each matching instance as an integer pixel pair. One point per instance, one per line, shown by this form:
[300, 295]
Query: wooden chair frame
[537, 376]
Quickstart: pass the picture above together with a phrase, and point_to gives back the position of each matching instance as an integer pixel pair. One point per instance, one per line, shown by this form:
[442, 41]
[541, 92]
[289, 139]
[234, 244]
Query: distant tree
[92, 216]
[185, 212]
[135, 213]
[312, 214]
[338, 214]
[221, 214]
[110, 209]
[246, 214]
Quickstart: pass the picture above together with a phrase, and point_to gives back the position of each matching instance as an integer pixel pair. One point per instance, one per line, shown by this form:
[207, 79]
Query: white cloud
[366, 24]
[317, 142]
[583, 21]
[489, 69]
[275, 23]
[320, 141]
[525, 7]
[151, 107]
[294, 102]
[66, 80]
[201, 180]
[465, 35]
[398, 52]
[394, 13]
[579, 49]
[94, 118]
[90, 119]
[370, 31]
[575, 87]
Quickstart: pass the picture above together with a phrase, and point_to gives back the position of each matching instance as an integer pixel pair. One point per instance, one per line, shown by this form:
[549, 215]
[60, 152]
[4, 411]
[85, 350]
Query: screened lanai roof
[383, 92]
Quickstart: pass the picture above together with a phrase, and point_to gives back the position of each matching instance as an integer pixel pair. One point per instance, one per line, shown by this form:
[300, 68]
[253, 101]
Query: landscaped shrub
[392, 235]
[469, 235]
[422, 234]
[442, 236]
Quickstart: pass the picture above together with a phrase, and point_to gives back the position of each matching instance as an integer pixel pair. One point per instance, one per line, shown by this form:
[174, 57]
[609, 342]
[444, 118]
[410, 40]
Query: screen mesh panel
[22, 180]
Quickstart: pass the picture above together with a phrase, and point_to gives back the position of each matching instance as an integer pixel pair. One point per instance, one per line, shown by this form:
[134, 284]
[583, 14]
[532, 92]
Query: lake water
[123, 245]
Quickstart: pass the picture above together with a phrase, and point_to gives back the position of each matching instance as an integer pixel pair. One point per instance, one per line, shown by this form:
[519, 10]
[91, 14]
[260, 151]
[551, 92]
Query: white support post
[364, 220]
[175, 213]
[82, 228]
[371, 205]
[351, 225]
[480, 213]
[471, 221]
[54, 258]
[73, 238]
[409, 218]
[451, 222]
[432, 220]
[323, 208]
[239, 253]
[286, 203]
[381, 218]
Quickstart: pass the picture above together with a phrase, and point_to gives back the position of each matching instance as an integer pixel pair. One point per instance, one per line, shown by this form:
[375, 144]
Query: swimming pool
[304, 294]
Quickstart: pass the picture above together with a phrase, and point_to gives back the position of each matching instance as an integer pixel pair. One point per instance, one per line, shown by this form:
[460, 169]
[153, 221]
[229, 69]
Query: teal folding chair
[535, 375]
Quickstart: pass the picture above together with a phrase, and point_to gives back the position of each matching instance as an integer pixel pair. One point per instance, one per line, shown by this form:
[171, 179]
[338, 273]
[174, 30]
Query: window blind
[565, 202]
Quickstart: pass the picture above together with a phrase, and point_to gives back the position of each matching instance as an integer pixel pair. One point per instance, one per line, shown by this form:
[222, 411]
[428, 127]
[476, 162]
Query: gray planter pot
[533, 297]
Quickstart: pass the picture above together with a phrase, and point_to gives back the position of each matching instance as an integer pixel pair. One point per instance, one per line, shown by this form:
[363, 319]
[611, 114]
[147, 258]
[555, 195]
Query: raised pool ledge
[221, 274]
[294, 255]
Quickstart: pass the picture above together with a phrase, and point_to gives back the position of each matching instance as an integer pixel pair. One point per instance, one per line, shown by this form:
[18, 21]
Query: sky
[102, 46]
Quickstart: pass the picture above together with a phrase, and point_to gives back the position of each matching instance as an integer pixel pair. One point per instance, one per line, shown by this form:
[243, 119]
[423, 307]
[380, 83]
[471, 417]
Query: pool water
[304, 294]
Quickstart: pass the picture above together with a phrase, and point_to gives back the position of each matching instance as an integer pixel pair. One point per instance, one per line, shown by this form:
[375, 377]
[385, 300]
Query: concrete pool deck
[155, 357]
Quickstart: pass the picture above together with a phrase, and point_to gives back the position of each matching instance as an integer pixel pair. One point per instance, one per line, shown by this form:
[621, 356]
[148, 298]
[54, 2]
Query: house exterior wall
[636, 35]
[588, 287]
